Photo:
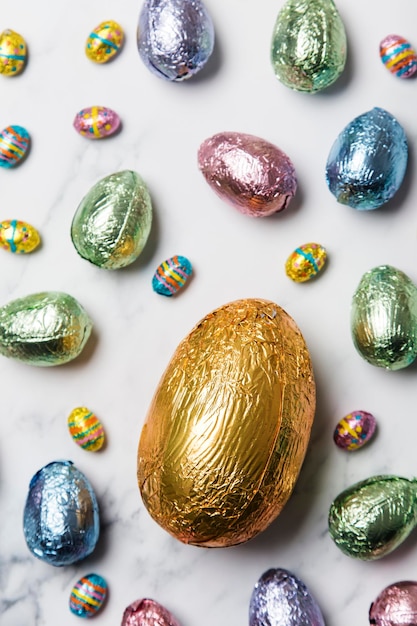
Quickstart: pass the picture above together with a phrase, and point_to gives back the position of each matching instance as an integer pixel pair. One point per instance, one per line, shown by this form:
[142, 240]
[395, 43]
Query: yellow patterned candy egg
[13, 53]
[104, 42]
[86, 429]
[305, 262]
[18, 237]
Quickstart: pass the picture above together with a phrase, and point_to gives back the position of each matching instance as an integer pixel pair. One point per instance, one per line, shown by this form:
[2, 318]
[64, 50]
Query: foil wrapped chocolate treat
[228, 427]
[13, 53]
[147, 612]
[396, 605]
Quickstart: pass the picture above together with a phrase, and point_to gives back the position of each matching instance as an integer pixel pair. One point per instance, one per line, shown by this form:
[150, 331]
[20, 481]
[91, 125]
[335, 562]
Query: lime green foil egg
[49, 328]
[112, 223]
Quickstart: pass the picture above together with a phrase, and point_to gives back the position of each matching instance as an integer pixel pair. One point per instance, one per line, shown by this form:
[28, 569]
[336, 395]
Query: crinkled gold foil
[228, 427]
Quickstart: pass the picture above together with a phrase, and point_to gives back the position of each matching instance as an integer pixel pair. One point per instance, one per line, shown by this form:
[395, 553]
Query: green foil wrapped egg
[308, 45]
[373, 517]
[384, 318]
[49, 328]
[112, 224]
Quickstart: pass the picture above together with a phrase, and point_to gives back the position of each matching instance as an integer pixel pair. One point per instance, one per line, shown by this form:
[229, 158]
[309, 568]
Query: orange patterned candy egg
[86, 429]
[104, 42]
[305, 262]
[18, 237]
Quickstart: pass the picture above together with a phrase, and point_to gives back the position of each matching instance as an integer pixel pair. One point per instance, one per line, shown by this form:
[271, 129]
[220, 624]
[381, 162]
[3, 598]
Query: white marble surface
[136, 331]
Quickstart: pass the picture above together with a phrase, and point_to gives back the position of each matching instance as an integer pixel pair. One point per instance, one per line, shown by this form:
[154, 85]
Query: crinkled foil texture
[48, 328]
[228, 428]
[281, 599]
[147, 612]
[396, 605]
[373, 517]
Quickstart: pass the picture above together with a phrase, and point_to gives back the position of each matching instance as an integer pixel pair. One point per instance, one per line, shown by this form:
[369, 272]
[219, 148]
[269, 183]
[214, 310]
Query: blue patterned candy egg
[171, 275]
[14, 144]
[88, 595]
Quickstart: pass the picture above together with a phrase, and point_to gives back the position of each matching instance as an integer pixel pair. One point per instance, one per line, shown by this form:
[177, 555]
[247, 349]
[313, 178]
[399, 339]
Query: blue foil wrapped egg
[367, 162]
[175, 37]
[171, 275]
[88, 595]
[14, 145]
[61, 517]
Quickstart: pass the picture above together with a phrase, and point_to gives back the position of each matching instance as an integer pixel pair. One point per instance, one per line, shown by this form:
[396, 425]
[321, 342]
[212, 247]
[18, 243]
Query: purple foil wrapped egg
[248, 172]
[354, 430]
[96, 122]
[147, 612]
[396, 605]
[280, 599]
[398, 56]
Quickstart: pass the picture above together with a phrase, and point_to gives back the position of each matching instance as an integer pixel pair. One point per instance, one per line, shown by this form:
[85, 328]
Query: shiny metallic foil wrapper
[229, 425]
[147, 612]
[281, 599]
[61, 518]
[396, 605]
[384, 318]
[112, 223]
[175, 37]
[308, 45]
[373, 517]
[48, 328]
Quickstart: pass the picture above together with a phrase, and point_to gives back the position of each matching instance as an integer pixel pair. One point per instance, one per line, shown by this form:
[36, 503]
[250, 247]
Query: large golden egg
[229, 425]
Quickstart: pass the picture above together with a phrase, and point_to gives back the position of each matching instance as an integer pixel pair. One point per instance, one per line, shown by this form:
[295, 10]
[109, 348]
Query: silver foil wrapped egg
[367, 162]
[61, 518]
[175, 37]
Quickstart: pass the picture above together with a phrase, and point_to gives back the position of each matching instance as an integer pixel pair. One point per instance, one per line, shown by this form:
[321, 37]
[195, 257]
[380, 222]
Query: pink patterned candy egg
[96, 122]
[398, 56]
[354, 430]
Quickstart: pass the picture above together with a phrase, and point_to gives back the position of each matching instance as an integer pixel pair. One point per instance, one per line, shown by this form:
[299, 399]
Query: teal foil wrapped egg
[14, 146]
[112, 223]
[88, 595]
[171, 275]
[367, 162]
[47, 328]
[384, 318]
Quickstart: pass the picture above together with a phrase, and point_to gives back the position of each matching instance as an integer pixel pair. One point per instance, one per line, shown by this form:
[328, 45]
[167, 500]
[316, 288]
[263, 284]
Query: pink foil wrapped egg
[248, 172]
[396, 605]
[354, 430]
[96, 122]
[398, 56]
[147, 612]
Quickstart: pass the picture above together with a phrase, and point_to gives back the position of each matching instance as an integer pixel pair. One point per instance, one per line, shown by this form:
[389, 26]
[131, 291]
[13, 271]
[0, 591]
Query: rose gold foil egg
[251, 174]
[228, 427]
[396, 605]
[148, 612]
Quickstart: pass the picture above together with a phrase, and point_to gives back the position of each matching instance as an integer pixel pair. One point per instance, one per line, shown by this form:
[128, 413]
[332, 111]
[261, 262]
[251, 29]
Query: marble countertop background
[137, 331]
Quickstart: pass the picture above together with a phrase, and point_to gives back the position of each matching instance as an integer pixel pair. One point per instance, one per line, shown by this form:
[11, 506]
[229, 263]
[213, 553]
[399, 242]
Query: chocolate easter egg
[171, 275]
[47, 328]
[61, 519]
[88, 595]
[280, 598]
[175, 37]
[13, 53]
[96, 122]
[86, 429]
[147, 612]
[104, 42]
[18, 237]
[305, 262]
[14, 145]
[396, 605]
[308, 45]
[222, 445]
[247, 172]
[367, 162]
[354, 430]
[384, 318]
[398, 56]
[113, 221]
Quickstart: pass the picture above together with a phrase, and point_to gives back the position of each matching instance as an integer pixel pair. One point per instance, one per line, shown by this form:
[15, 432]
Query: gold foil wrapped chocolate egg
[229, 425]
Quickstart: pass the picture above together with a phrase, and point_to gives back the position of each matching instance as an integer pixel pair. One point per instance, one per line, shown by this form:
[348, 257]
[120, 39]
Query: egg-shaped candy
[47, 328]
[354, 430]
[104, 42]
[18, 237]
[222, 445]
[396, 605]
[113, 221]
[147, 612]
[247, 172]
[367, 162]
[398, 56]
[14, 145]
[279, 598]
[88, 595]
[61, 518]
[13, 53]
[86, 429]
[305, 262]
[96, 122]
[171, 275]
[384, 318]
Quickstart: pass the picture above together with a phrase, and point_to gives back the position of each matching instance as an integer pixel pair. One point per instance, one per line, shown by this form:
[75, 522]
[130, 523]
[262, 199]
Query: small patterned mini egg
[14, 144]
[398, 56]
[354, 430]
[86, 429]
[96, 122]
[171, 275]
[19, 237]
[305, 262]
[104, 42]
[88, 595]
[13, 53]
